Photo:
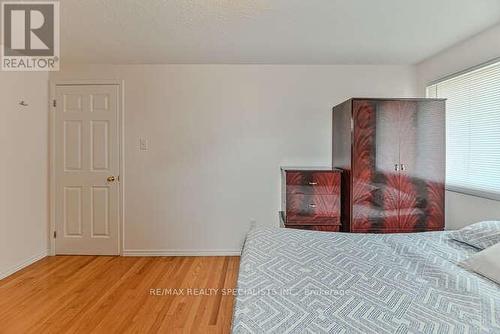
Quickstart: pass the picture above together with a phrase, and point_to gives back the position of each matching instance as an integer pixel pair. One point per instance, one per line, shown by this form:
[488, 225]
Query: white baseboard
[23, 264]
[181, 252]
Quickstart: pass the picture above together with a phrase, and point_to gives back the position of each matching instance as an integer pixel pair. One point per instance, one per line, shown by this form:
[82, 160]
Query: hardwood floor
[90, 294]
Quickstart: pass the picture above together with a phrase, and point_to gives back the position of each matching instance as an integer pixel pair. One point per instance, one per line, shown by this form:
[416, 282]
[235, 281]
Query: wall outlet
[143, 144]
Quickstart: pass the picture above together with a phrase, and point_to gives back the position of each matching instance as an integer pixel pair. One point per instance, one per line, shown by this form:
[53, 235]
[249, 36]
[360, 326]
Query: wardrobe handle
[403, 167]
[396, 167]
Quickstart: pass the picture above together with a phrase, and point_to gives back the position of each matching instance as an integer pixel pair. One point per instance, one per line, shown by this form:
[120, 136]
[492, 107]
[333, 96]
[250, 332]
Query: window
[472, 130]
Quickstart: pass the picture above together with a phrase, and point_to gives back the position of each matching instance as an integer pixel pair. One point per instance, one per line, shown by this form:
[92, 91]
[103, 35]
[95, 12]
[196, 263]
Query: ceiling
[268, 31]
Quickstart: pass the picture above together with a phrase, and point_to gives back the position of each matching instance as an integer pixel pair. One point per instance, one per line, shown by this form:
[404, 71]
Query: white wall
[471, 52]
[23, 169]
[218, 135]
[462, 209]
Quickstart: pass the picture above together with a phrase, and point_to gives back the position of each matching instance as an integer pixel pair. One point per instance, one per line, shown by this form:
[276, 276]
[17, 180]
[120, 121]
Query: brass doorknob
[111, 178]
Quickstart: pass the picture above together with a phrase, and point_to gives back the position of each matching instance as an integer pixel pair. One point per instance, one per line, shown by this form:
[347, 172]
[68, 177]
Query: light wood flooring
[101, 294]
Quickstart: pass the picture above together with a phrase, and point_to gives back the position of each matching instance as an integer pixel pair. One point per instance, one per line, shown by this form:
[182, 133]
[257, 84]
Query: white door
[86, 160]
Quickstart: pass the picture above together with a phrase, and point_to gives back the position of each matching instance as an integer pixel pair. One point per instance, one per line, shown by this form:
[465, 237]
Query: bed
[294, 281]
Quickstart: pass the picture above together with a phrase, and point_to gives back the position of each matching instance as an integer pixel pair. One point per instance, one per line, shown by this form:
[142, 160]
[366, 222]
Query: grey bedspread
[294, 281]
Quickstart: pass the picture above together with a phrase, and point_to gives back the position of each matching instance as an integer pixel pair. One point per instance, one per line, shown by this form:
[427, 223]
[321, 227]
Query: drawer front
[325, 228]
[312, 208]
[311, 183]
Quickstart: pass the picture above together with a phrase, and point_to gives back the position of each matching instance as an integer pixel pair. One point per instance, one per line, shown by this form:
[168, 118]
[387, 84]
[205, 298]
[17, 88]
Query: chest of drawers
[311, 198]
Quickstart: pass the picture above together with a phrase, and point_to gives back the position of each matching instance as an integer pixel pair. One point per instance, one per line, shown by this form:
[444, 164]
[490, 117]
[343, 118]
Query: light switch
[143, 144]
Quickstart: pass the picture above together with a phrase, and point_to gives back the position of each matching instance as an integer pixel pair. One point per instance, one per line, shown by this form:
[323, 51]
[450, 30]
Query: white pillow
[480, 235]
[485, 263]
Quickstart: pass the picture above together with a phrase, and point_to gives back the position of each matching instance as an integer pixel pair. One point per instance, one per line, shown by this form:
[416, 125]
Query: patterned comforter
[294, 281]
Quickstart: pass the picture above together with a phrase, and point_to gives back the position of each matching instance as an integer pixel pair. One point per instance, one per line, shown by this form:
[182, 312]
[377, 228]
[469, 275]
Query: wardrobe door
[388, 176]
[412, 199]
[375, 155]
[422, 155]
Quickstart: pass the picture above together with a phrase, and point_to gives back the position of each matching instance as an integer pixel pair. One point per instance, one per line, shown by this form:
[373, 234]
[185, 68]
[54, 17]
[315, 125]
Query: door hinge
[55, 234]
[54, 103]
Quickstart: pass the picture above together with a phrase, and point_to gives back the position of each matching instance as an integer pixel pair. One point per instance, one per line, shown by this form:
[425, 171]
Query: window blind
[472, 130]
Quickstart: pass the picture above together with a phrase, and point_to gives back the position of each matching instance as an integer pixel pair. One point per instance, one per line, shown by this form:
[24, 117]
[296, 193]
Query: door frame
[52, 170]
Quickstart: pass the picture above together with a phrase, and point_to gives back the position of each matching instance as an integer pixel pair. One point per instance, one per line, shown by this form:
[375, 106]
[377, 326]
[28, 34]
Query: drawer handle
[312, 205]
[313, 183]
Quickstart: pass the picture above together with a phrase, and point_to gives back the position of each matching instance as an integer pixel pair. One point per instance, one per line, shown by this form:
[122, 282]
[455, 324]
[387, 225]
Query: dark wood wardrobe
[392, 152]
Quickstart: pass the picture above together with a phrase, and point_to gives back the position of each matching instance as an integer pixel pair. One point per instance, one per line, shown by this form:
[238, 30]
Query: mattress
[294, 281]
